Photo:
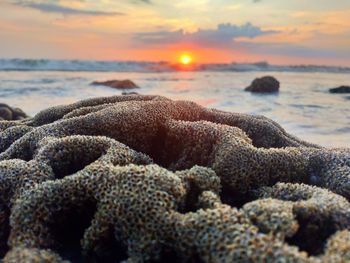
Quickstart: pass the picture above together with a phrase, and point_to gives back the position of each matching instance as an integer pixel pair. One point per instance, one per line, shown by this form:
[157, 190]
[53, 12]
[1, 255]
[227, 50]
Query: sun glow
[185, 59]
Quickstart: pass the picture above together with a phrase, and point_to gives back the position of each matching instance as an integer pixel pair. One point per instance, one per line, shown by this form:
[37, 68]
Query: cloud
[222, 36]
[245, 38]
[56, 8]
[286, 49]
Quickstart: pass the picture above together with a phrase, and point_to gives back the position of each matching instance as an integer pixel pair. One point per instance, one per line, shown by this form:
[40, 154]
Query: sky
[211, 31]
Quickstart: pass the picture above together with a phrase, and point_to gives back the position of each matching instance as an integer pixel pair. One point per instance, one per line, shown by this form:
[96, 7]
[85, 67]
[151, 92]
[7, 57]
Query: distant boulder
[266, 84]
[7, 113]
[130, 93]
[117, 84]
[341, 89]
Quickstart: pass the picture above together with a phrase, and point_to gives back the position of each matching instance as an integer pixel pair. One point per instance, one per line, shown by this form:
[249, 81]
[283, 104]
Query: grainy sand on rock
[145, 178]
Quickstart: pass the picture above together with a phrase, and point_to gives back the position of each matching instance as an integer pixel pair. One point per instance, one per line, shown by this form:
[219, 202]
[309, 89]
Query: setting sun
[185, 59]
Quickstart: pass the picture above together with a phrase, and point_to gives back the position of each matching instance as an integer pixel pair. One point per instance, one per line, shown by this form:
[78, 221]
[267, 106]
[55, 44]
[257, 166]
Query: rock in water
[266, 84]
[117, 84]
[341, 89]
[130, 93]
[8, 113]
[18, 114]
[5, 113]
[142, 178]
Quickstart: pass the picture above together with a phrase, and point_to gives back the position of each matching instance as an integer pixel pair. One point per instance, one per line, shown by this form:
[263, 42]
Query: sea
[304, 106]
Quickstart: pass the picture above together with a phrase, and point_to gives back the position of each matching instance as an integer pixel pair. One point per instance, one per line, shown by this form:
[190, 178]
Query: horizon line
[177, 63]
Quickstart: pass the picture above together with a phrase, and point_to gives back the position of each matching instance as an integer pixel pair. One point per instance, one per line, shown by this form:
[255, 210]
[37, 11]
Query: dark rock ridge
[341, 89]
[8, 113]
[117, 84]
[130, 93]
[147, 179]
[265, 84]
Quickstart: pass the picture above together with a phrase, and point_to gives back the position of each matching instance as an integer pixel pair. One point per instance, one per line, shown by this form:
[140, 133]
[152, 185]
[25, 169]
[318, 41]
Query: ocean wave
[135, 66]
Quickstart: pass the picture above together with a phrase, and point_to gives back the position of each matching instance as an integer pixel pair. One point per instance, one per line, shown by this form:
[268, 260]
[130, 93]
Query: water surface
[303, 106]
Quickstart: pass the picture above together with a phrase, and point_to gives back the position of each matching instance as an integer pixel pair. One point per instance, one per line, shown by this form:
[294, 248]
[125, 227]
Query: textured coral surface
[146, 179]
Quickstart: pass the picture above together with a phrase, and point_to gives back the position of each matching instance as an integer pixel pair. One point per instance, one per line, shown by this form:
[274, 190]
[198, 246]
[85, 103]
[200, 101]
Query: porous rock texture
[147, 179]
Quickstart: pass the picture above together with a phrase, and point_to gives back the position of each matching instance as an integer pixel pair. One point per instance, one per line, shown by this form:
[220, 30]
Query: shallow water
[303, 106]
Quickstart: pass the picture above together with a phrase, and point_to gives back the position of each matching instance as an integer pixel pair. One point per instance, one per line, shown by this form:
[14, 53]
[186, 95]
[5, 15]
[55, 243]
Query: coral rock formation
[148, 179]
